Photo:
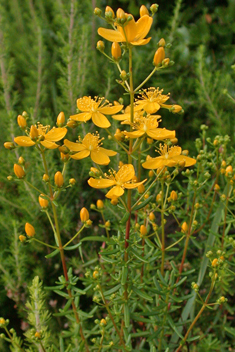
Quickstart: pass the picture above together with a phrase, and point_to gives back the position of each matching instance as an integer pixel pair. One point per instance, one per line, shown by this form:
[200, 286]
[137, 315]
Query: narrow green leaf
[124, 275]
[140, 334]
[126, 315]
[94, 238]
[125, 218]
[142, 294]
[54, 287]
[61, 293]
[139, 256]
[52, 254]
[142, 205]
[70, 248]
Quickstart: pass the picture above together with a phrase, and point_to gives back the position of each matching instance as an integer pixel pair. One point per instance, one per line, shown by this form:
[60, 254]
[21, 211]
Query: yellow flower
[149, 126]
[169, 157]
[152, 99]
[43, 135]
[90, 146]
[118, 180]
[95, 110]
[131, 32]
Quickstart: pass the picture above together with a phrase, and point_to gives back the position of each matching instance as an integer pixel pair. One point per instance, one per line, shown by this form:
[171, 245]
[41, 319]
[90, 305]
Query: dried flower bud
[151, 216]
[22, 238]
[29, 229]
[97, 12]
[116, 51]
[143, 230]
[21, 121]
[43, 202]
[84, 215]
[45, 178]
[184, 227]
[19, 172]
[141, 188]
[162, 42]
[60, 119]
[100, 45]
[33, 132]
[109, 13]
[159, 56]
[59, 180]
[143, 11]
[9, 145]
[100, 204]
[72, 181]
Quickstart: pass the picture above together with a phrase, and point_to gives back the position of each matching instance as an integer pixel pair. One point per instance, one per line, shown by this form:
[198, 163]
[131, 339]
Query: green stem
[45, 244]
[32, 186]
[146, 79]
[65, 245]
[164, 322]
[119, 143]
[163, 229]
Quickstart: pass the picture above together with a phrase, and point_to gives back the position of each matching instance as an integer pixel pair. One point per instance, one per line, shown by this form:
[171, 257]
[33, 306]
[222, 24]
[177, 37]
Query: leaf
[125, 218]
[52, 254]
[142, 294]
[70, 248]
[126, 315]
[140, 334]
[112, 290]
[139, 256]
[94, 238]
[61, 293]
[142, 205]
[124, 275]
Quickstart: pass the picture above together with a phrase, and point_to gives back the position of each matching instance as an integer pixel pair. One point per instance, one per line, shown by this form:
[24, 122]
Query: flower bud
[21, 121]
[177, 109]
[154, 8]
[72, 181]
[72, 123]
[103, 322]
[184, 227]
[22, 238]
[216, 187]
[159, 56]
[43, 202]
[149, 140]
[143, 230]
[59, 180]
[63, 149]
[174, 140]
[88, 222]
[9, 145]
[141, 188]
[64, 157]
[100, 204]
[10, 178]
[100, 45]
[2, 321]
[95, 274]
[161, 42]
[107, 224]
[29, 229]
[121, 16]
[151, 216]
[97, 12]
[214, 262]
[84, 215]
[45, 178]
[223, 164]
[118, 134]
[33, 132]
[21, 160]
[151, 173]
[114, 201]
[60, 119]
[116, 51]
[123, 75]
[166, 62]
[173, 195]
[19, 172]
[37, 335]
[109, 13]
[228, 170]
[143, 11]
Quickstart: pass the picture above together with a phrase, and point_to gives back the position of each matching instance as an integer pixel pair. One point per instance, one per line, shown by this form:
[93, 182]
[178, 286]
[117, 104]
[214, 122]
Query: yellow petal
[151, 108]
[134, 134]
[121, 117]
[188, 161]
[100, 183]
[126, 173]
[24, 141]
[56, 134]
[81, 155]
[108, 151]
[130, 29]
[83, 116]
[134, 185]
[75, 147]
[141, 41]
[143, 26]
[161, 133]
[174, 151]
[109, 110]
[100, 120]
[49, 144]
[115, 192]
[111, 35]
[154, 163]
[99, 157]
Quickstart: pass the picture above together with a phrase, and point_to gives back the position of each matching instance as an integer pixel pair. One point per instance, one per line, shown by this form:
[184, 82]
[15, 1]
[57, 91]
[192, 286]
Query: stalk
[163, 230]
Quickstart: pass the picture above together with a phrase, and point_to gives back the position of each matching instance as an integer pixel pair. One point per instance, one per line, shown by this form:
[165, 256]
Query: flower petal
[143, 26]
[126, 173]
[134, 185]
[56, 134]
[121, 117]
[151, 108]
[100, 120]
[161, 133]
[49, 144]
[154, 163]
[109, 110]
[99, 157]
[174, 151]
[81, 155]
[129, 31]
[141, 41]
[134, 134]
[111, 35]
[24, 141]
[83, 116]
[75, 147]
[108, 151]
[115, 192]
[188, 161]
[100, 182]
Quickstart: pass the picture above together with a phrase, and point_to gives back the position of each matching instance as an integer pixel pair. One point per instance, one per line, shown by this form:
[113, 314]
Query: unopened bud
[154, 8]
[43, 202]
[162, 42]
[21, 121]
[173, 195]
[116, 51]
[166, 62]
[123, 75]
[228, 170]
[71, 123]
[141, 188]
[84, 215]
[100, 204]
[176, 109]
[184, 227]
[214, 262]
[151, 216]
[95, 274]
[159, 56]
[109, 13]
[60, 119]
[149, 140]
[59, 180]
[72, 181]
[9, 145]
[143, 230]
[114, 201]
[64, 157]
[19, 172]
[103, 322]
[22, 238]
[33, 132]
[97, 12]
[29, 229]
[121, 16]
[151, 173]
[143, 11]
[100, 45]
[107, 224]
[45, 178]
[37, 335]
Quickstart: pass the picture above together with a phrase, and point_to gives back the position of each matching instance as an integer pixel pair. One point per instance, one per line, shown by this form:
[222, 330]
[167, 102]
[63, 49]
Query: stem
[65, 245]
[146, 79]
[45, 244]
[225, 216]
[164, 322]
[163, 230]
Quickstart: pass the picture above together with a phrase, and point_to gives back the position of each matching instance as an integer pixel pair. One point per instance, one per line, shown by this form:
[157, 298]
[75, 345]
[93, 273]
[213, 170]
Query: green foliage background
[48, 59]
